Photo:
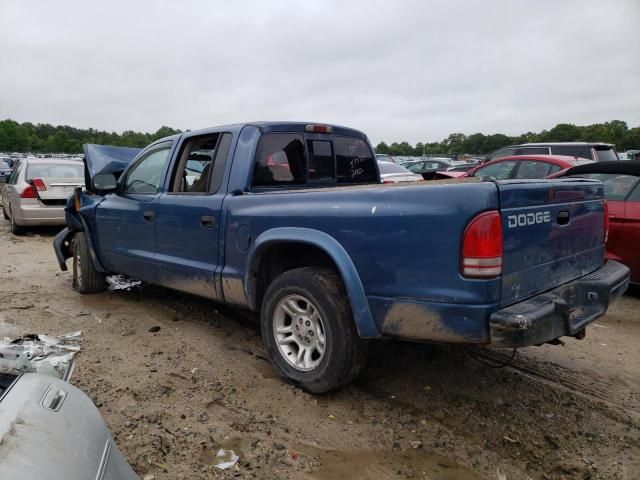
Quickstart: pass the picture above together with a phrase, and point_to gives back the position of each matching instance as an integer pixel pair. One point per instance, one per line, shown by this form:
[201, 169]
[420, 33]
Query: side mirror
[104, 182]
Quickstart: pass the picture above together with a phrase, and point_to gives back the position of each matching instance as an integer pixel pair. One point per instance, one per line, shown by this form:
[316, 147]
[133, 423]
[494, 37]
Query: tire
[289, 305]
[4, 213]
[86, 279]
[15, 228]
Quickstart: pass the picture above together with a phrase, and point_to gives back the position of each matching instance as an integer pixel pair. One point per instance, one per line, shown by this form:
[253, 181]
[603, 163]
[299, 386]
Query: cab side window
[573, 151]
[145, 176]
[193, 172]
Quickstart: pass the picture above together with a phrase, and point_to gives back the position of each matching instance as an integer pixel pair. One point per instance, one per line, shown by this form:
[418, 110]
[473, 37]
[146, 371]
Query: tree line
[616, 132]
[42, 137]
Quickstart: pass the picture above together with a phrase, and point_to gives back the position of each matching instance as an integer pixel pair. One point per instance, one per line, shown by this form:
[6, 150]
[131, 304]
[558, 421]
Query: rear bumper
[566, 310]
[34, 215]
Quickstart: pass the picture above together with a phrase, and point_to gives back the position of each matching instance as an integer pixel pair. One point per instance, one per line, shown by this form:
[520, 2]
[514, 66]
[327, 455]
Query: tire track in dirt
[616, 396]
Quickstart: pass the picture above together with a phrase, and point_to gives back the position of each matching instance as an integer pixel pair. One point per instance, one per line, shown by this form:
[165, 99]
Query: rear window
[499, 171]
[533, 169]
[606, 154]
[354, 161]
[53, 170]
[616, 186]
[285, 159]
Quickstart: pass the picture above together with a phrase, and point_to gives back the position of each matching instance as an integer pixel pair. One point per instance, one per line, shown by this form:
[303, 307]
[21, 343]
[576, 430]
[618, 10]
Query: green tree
[382, 148]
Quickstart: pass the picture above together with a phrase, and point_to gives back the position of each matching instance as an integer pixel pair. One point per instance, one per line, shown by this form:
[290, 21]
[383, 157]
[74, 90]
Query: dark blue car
[291, 220]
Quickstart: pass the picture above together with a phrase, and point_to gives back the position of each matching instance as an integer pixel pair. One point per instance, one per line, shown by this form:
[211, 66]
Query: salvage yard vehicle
[596, 151]
[518, 167]
[291, 220]
[37, 190]
[51, 429]
[622, 190]
[427, 168]
[393, 173]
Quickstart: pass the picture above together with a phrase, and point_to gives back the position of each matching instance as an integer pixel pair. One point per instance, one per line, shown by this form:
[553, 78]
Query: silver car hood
[51, 429]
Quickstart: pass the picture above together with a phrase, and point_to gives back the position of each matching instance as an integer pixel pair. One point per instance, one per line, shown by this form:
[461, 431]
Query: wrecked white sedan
[48, 427]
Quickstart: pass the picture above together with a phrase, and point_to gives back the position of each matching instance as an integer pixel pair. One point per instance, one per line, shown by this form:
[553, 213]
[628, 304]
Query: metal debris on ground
[40, 353]
[120, 282]
[225, 459]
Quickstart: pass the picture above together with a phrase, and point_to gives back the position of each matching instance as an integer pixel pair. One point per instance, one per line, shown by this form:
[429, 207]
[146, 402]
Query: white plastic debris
[120, 282]
[225, 459]
[40, 353]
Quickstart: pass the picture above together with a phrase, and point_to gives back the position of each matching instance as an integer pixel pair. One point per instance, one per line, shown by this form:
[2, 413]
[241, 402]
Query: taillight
[319, 129]
[39, 184]
[388, 181]
[482, 246]
[606, 220]
[29, 192]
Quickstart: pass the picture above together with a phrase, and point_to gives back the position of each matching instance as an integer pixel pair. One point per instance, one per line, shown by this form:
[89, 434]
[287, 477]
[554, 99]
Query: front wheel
[309, 332]
[86, 279]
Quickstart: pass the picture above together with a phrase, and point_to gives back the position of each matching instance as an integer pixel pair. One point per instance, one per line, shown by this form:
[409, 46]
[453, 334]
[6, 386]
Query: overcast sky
[399, 70]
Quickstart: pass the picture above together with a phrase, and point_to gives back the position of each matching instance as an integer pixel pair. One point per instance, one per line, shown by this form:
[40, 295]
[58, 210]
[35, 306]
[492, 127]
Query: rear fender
[360, 307]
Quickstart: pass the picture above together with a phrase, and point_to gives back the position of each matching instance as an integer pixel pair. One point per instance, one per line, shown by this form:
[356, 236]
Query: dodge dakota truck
[291, 220]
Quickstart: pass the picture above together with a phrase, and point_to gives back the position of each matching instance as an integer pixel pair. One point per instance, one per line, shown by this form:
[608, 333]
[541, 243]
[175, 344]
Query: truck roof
[271, 127]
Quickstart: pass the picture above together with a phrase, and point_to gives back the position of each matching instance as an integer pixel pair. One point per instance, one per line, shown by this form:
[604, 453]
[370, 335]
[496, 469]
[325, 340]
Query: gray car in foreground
[37, 190]
[51, 430]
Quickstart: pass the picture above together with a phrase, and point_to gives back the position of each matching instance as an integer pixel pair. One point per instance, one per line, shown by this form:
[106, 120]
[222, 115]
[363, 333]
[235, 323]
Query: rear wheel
[15, 228]
[309, 332]
[86, 279]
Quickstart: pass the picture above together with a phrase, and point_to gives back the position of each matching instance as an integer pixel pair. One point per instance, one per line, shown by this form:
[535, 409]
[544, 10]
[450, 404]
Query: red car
[520, 167]
[621, 181]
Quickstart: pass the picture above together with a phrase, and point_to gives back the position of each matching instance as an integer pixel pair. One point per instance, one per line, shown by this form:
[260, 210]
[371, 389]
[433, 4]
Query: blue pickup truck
[291, 220]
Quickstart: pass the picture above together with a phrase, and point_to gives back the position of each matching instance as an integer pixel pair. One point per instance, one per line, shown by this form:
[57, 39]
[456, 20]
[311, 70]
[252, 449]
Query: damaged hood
[106, 159]
[44, 354]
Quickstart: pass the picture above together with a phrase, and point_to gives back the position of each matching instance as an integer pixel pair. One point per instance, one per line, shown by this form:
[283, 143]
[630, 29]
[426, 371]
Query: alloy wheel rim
[299, 332]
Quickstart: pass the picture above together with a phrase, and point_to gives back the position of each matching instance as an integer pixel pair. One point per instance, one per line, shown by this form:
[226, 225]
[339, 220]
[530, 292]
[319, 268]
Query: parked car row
[596, 151]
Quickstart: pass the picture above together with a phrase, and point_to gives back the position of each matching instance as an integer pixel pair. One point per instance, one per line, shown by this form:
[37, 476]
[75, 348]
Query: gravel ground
[174, 396]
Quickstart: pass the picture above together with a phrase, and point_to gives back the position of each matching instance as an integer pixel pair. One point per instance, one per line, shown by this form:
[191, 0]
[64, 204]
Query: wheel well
[277, 259]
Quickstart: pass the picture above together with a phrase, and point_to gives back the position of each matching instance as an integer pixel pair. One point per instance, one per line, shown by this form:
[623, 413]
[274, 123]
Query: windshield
[616, 186]
[4, 166]
[54, 170]
[392, 168]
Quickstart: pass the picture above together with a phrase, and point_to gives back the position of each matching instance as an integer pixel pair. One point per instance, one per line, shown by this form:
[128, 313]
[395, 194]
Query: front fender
[359, 305]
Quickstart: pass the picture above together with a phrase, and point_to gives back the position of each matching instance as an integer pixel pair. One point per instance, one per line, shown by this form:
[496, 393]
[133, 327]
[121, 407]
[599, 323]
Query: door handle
[149, 216]
[207, 221]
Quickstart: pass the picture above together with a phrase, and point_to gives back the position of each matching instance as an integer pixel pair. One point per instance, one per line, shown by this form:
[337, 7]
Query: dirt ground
[172, 398]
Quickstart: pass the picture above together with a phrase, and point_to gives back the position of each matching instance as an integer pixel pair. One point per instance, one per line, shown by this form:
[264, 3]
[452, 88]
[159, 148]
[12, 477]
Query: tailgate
[553, 233]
